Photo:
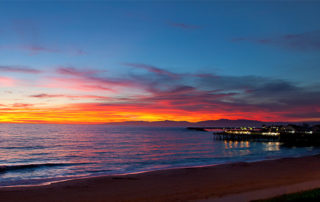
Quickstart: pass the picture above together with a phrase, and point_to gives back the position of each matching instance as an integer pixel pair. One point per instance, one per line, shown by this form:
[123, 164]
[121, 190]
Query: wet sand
[186, 184]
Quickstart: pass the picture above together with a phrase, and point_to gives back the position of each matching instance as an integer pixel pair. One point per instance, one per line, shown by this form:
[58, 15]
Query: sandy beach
[210, 183]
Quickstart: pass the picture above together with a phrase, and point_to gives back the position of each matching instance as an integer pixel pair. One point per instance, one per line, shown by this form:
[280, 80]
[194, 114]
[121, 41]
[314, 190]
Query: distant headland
[209, 123]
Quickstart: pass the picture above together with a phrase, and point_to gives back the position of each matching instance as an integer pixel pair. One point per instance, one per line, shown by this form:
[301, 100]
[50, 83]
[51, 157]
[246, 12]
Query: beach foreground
[210, 183]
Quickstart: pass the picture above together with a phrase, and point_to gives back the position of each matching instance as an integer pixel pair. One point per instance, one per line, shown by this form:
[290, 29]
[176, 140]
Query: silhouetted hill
[209, 123]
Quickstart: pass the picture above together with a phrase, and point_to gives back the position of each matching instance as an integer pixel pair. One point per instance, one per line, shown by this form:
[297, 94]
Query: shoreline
[176, 184]
[46, 183]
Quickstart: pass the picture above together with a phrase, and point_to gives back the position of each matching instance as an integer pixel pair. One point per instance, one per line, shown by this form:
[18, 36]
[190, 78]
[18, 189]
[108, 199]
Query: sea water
[40, 153]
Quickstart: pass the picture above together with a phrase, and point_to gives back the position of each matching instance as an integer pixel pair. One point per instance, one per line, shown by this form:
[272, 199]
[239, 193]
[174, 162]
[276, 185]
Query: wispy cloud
[21, 69]
[87, 80]
[184, 26]
[307, 41]
[151, 19]
[152, 69]
[44, 95]
[29, 34]
[79, 84]
[35, 49]
[71, 71]
[91, 76]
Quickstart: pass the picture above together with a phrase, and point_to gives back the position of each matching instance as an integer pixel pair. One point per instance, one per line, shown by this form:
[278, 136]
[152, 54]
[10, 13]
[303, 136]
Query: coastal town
[291, 134]
[304, 129]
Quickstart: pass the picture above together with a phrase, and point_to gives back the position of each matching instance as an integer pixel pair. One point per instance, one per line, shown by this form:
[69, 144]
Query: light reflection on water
[64, 151]
[236, 144]
[272, 146]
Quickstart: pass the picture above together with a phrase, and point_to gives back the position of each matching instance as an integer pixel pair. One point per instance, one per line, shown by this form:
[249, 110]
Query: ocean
[32, 154]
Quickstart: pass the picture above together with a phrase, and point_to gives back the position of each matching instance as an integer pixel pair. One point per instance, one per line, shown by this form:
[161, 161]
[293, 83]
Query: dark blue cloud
[307, 41]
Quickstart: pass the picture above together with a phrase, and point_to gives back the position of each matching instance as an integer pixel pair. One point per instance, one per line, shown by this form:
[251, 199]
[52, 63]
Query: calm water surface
[39, 153]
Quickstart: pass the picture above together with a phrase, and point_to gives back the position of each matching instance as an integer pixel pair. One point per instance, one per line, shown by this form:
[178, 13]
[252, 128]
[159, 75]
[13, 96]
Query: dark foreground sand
[204, 183]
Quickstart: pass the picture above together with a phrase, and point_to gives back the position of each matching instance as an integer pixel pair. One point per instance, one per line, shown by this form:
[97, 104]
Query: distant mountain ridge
[209, 123]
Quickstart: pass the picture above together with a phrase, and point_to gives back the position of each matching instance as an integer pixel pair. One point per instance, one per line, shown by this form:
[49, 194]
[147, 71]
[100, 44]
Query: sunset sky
[82, 62]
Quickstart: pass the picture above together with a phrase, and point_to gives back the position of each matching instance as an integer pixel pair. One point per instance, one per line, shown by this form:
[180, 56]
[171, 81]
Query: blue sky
[111, 33]
[273, 40]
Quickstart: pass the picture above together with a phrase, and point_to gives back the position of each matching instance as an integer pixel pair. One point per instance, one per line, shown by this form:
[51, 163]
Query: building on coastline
[275, 130]
[304, 129]
[290, 135]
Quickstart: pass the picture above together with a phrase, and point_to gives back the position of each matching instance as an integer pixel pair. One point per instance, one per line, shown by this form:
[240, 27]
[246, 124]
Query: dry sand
[222, 183]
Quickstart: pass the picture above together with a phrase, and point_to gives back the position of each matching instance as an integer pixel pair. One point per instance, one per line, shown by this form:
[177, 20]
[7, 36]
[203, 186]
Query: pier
[290, 135]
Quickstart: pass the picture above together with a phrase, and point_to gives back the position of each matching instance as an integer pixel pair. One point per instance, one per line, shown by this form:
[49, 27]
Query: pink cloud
[6, 81]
